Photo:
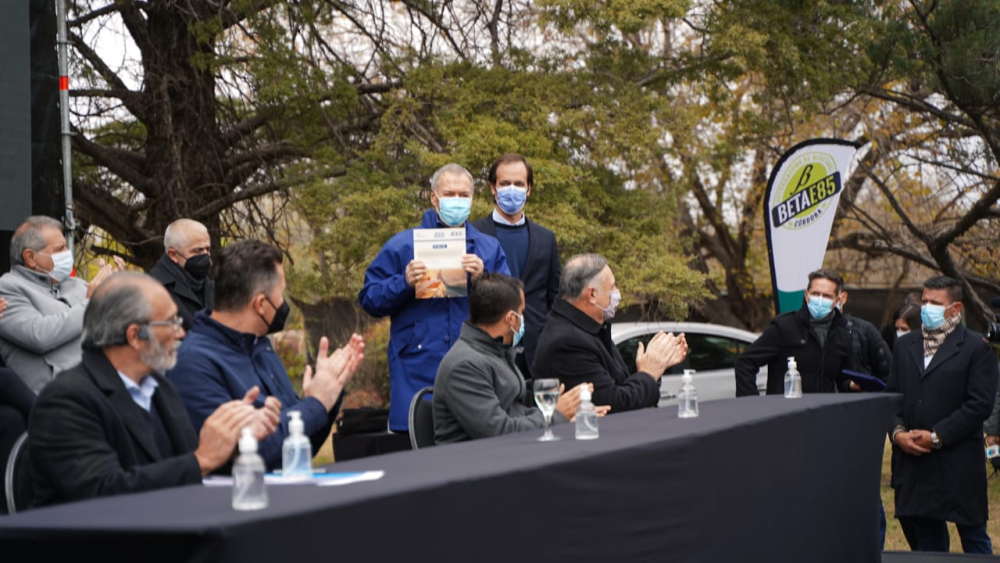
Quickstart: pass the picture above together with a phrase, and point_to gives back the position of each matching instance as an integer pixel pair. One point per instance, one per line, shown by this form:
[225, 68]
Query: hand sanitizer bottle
[793, 381]
[296, 451]
[249, 492]
[586, 417]
[688, 405]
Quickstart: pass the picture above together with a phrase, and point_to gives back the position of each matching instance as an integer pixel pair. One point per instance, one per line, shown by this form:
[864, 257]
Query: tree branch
[214, 207]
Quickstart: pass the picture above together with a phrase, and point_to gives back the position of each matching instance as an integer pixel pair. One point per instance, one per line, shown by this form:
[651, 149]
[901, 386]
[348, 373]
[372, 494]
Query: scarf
[934, 337]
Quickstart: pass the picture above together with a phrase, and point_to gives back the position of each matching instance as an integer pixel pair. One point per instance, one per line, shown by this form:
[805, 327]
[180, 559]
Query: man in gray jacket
[41, 329]
[479, 391]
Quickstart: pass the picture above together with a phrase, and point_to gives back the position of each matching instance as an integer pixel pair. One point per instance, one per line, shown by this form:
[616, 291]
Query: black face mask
[198, 266]
[277, 323]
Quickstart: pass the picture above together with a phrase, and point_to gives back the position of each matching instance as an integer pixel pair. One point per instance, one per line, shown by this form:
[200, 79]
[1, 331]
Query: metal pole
[67, 165]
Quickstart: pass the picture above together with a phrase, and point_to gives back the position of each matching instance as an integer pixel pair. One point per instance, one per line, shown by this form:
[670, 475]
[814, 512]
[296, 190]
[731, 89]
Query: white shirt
[498, 218]
[142, 394]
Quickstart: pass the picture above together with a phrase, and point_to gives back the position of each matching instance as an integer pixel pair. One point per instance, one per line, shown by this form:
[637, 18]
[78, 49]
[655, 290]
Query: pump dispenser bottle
[296, 451]
[793, 381]
[249, 490]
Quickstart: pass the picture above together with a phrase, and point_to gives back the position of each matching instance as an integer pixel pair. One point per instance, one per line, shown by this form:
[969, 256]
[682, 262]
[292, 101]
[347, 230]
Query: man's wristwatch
[935, 442]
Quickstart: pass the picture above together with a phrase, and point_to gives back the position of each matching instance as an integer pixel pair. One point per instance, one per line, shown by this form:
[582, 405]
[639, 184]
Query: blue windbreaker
[422, 330]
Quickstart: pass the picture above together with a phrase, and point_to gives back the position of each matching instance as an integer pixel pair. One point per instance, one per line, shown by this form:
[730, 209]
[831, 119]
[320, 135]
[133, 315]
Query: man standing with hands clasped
[948, 378]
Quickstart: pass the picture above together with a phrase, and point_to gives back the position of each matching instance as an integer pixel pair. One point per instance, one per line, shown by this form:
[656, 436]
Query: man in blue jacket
[423, 330]
[227, 352]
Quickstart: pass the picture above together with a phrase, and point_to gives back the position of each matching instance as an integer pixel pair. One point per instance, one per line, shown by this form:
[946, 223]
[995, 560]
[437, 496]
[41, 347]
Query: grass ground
[894, 540]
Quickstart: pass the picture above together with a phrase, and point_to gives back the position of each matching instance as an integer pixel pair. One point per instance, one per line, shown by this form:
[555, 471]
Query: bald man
[184, 267]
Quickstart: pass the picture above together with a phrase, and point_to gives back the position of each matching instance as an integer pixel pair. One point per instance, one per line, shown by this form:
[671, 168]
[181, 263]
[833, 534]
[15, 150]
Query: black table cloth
[751, 479]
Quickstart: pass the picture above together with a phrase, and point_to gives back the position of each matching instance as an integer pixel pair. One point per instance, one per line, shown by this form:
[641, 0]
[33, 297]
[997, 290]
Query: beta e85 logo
[810, 182]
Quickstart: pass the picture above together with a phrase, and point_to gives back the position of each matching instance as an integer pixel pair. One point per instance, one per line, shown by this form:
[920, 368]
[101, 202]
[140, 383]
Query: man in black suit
[113, 424]
[576, 345]
[532, 254]
[183, 269]
[947, 375]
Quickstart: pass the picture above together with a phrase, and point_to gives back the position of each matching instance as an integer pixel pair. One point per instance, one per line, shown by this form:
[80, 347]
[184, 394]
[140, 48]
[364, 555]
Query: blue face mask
[511, 199]
[454, 210]
[820, 307]
[932, 315]
[520, 331]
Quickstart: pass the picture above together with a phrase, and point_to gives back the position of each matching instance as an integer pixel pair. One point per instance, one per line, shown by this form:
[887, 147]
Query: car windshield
[705, 352]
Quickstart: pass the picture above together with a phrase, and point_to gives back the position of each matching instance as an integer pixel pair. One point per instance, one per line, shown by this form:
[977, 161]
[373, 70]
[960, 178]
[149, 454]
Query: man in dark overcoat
[947, 375]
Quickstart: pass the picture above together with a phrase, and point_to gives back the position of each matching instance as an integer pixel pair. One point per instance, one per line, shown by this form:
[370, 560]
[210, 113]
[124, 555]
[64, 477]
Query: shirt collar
[498, 218]
[142, 393]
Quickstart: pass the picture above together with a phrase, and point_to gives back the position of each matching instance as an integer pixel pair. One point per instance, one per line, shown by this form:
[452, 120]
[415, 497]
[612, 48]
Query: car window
[705, 352]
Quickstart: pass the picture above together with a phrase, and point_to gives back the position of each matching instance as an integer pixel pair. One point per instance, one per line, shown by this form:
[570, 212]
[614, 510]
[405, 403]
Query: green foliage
[591, 148]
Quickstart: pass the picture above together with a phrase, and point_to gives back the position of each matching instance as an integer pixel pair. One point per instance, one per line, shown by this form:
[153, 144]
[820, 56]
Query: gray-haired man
[423, 330]
[576, 347]
[40, 330]
[113, 424]
[183, 269]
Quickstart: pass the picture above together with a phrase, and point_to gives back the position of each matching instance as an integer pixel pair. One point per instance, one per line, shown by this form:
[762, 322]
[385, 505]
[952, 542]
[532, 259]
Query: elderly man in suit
[183, 269]
[40, 331]
[576, 345]
[947, 375]
[113, 424]
[532, 254]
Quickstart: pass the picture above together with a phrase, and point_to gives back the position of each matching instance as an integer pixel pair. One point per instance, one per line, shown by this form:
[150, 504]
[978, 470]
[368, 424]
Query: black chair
[422, 419]
[17, 477]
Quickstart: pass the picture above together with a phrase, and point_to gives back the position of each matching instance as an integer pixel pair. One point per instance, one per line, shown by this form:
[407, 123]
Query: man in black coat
[947, 375]
[869, 352]
[532, 254]
[113, 424]
[575, 346]
[183, 269]
[816, 336]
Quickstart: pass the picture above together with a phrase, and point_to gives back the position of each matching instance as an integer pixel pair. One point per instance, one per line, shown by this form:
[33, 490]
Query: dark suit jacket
[89, 439]
[952, 397]
[576, 349]
[540, 276]
[188, 301]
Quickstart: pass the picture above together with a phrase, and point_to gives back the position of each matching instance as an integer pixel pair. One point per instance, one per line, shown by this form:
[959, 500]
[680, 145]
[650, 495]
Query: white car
[712, 353]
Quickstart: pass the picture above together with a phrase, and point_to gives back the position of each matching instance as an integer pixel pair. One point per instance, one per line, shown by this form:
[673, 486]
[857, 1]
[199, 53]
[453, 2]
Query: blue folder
[865, 381]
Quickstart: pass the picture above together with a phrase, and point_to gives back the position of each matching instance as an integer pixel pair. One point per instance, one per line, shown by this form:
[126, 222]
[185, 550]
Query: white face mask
[62, 265]
[900, 333]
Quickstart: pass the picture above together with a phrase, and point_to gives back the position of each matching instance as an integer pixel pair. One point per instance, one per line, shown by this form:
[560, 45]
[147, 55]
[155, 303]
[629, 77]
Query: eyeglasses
[176, 321]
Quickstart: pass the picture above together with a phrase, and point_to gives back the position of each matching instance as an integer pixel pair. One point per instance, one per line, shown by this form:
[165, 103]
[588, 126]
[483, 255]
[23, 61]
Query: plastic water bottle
[249, 490]
[793, 381]
[586, 417]
[296, 451]
[688, 405]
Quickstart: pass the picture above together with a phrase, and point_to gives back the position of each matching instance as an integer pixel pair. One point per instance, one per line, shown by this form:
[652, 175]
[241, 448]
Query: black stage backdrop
[30, 157]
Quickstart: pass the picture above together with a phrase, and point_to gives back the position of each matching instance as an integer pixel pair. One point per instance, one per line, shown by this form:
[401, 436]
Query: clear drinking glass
[546, 396]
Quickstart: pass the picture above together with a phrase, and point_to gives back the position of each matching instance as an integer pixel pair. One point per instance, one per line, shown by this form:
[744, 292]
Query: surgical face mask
[820, 307]
[616, 298]
[277, 323]
[454, 210]
[932, 315]
[511, 199]
[900, 333]
[519, 334]
[62, 265]
[198, 266]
